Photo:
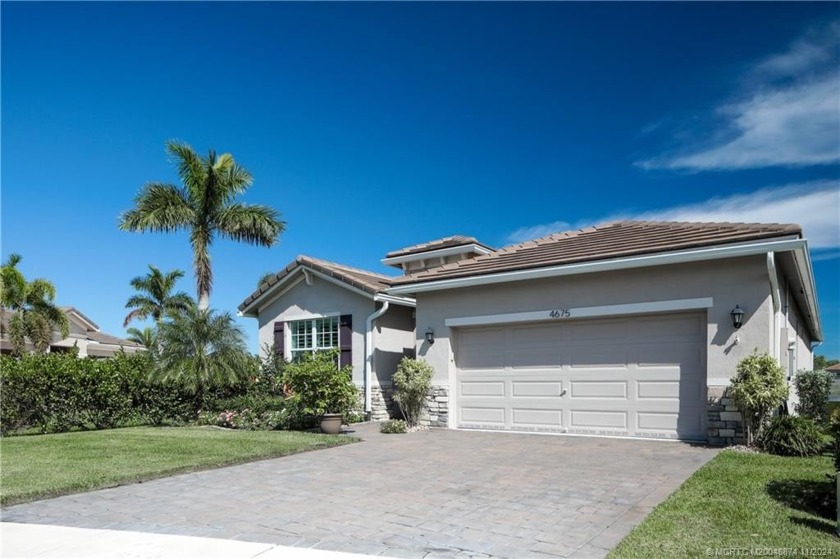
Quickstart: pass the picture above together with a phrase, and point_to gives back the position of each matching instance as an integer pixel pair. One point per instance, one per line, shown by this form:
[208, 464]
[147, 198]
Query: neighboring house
[624, 329]
[85, 335]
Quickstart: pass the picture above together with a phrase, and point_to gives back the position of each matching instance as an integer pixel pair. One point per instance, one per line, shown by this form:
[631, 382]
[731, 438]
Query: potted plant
[321, 389]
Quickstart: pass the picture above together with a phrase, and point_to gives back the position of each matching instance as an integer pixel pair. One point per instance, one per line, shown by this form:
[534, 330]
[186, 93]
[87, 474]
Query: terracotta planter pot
[331, 423]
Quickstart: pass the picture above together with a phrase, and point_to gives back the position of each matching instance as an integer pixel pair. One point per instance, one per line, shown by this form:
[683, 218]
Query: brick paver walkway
[433, 494]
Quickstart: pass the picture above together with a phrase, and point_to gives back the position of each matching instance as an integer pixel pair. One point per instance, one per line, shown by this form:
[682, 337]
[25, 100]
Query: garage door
[640, 376]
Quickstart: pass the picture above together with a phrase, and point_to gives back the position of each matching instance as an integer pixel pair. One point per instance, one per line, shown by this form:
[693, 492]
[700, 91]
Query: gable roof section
[603, 242]
[437, 244]
[369, 282]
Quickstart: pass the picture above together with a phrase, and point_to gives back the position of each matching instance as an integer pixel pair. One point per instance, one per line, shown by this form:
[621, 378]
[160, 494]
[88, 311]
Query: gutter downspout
[774, 292]
[369, 352]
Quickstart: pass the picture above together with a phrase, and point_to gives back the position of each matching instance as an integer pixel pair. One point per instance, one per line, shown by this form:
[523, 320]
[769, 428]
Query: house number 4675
[560, 313]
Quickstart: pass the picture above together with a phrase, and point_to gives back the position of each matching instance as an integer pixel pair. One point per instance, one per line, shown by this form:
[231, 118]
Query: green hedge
[57, 392]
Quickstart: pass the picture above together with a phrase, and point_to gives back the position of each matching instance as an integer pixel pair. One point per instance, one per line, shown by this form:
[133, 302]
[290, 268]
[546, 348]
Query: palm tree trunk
[203, 301]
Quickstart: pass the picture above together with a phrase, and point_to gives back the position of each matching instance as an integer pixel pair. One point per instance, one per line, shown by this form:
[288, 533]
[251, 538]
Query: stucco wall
[741, 281]
[322, 298]
[393, 338]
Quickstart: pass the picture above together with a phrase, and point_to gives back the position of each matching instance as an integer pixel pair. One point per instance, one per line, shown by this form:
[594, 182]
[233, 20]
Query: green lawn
[35, 467]
[743, 502]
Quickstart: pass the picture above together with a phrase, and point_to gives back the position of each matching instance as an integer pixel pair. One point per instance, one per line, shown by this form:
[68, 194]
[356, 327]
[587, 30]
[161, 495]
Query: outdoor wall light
[737, 316]
[430, 335]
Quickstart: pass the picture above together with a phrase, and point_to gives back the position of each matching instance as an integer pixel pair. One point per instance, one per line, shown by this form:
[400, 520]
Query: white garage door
[640, 376]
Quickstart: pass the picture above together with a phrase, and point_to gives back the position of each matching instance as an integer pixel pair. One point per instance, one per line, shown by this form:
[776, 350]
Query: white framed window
[313, 335]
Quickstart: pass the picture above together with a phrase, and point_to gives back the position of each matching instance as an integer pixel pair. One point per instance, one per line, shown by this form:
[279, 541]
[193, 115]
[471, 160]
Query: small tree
[412, 382]
[813, 388]
[758, 387]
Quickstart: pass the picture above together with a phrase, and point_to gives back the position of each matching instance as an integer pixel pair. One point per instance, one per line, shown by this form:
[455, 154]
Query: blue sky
[373, 126]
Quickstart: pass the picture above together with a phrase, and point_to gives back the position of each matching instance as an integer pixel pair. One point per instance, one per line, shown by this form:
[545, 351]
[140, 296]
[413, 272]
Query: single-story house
[627, 329]
[84, 335]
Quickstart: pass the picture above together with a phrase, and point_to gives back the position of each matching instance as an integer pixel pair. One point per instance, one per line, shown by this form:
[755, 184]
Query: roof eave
[786, 243]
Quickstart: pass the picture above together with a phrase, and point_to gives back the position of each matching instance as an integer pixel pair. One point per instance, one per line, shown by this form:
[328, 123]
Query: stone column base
[725, 425]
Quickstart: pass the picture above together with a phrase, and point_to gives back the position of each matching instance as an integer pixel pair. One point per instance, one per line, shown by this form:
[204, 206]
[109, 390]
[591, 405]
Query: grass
[41, 466]
[743, 502]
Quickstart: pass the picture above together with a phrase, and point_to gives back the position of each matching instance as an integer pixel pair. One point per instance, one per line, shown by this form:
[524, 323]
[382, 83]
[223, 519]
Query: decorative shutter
[345, 339]
[279, 340]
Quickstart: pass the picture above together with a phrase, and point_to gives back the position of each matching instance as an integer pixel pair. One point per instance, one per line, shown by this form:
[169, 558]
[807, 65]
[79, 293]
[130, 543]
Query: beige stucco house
[625, 329]
[84, 335]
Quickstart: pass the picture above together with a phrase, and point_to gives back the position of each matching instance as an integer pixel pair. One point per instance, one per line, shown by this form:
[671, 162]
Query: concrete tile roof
[446, 242]
[370, 282]
[603, 242]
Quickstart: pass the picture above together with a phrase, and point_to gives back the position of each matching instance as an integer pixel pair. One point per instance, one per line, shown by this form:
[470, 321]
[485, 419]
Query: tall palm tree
[204, 205]
[154, 296]
[34, 315]
[199, 350]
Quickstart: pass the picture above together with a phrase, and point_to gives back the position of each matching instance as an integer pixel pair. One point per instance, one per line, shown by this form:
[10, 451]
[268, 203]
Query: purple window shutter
[279, 340]
[345, 339]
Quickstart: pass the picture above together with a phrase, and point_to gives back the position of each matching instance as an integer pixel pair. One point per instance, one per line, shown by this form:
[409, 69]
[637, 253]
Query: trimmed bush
[758, 387]
[813, 388]
[790, 435]
[52, 393]
[393, 426]
[318, 386]
[412, 382]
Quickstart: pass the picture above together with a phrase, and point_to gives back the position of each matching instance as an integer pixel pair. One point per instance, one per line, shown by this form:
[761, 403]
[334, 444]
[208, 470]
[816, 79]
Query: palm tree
[265, 277]
[145, 337]
[199, 350]
[155, 298]
[34, 314]
[204, 205]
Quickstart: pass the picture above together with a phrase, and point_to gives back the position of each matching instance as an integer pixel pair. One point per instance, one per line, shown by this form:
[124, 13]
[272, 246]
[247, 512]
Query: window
[312, 335]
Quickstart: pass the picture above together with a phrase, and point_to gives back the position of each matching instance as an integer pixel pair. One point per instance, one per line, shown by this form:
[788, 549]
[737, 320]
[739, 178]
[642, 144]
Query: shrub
[318, 386]
[393, 426]
[58, 392]
[412, 382]
[758, 387]
[834, 431]
[813, 388]
[790, 435]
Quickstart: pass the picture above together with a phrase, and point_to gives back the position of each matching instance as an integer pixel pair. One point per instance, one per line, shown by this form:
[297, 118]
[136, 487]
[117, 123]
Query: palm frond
[253, 224]
[192, 169]
[158, 208]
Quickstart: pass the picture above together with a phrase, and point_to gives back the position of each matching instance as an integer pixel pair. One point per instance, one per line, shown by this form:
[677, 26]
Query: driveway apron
[431, 494]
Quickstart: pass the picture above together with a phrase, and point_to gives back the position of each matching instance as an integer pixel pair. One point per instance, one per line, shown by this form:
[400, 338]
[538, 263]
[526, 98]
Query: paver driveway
[429, 494]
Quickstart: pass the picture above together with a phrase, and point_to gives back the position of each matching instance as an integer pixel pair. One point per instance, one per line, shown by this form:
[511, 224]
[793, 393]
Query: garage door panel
[658, 389]
[526, 389]
[598, 419]
[668, 328]
[657, 421]
[680, 354]
[483, 388]
[600, 331]
[599, 356]
[488, 415]
[599, 389]
[544, 418]
[534, 358]
[633, 376]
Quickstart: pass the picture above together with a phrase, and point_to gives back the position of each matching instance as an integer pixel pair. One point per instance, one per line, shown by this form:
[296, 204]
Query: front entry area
[638, 376]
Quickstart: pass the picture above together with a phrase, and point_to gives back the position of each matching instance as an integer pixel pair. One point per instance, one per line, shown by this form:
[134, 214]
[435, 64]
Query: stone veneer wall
[725, 424]
[383, 406]
[436, 413]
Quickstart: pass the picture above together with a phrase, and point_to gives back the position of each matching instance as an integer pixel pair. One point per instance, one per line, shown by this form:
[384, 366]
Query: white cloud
[537, 231]
[813, 205]
[791, 118]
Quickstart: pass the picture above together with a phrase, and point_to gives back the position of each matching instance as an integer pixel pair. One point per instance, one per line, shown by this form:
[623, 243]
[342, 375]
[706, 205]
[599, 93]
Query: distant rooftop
[446, 242]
